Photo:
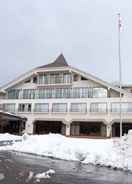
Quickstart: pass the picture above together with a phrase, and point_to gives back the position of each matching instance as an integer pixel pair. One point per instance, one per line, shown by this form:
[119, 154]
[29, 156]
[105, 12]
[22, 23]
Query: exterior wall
[85, 83]
[68, 117]
[25, 86]
[114, 94]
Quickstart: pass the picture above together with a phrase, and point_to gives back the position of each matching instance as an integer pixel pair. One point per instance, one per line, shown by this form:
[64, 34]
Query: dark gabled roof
[59, 62]
[10, 116]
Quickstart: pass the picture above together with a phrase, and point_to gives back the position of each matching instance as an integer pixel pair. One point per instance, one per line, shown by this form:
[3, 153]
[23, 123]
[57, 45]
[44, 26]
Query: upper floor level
[59, 80]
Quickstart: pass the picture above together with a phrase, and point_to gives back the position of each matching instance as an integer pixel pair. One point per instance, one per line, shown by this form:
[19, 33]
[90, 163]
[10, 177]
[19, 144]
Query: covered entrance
[46, 127]
[88, 129]
[10, 123]
[126, 126]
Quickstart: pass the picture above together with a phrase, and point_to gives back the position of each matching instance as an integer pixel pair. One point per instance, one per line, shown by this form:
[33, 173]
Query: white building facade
[59, 98]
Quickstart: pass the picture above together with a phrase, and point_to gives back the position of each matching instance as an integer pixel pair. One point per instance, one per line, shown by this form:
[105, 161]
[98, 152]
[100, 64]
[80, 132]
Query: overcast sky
[35, 32]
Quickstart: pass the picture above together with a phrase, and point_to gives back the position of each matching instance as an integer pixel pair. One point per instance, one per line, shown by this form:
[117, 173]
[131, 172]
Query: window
[59, 107]
[35, 79]
[1, 107]
[126, 107]
[84, 93]
[41, 107]
[66, 93]
[98, 107]
[99, 92]
[55, 78]
[28, 94]
[67, 78]
[13, 94]
[9, 107]
[79, 107]
[24, 107]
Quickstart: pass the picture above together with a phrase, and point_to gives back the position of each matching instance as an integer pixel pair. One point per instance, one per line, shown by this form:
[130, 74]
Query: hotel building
[59, 98]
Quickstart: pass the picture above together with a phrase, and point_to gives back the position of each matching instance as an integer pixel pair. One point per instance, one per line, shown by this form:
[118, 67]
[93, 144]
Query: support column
[108, 130]
[29, 126]
[68, 129]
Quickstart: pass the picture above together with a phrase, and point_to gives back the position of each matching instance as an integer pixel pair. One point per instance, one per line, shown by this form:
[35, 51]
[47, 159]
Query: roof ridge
[60, 61]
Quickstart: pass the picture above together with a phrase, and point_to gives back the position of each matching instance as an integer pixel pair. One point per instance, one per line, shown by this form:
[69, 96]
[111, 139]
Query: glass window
[126, 107]
[35, 80]
[13, 94]
[67, 78]
[76, 92]
[24, 107]
[40, 79]
[78, 107]
[84, 93]
[28, 94]
[9, 107]
[41, 107]
[59, 107]
[2, 107]
[99, 92]
[98, 107]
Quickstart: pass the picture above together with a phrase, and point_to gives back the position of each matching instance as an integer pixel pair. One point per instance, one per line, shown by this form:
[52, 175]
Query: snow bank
[6, 140]
[2, 176]
[45, 175]
[8, 137]
[39, 176]
[116, 152]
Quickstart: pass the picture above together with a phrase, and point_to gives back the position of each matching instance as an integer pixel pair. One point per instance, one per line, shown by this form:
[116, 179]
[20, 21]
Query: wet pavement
[16, 168]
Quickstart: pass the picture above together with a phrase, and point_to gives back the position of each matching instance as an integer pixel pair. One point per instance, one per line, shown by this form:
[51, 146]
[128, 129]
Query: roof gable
[59, 62]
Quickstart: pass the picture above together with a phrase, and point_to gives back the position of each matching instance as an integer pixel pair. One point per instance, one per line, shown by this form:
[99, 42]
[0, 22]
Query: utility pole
[120, 70]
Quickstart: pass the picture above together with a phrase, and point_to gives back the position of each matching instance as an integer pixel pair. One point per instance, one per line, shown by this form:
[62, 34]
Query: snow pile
[2, 176]
[39, 176]
[9, 137]
[6, 140]
[115, 152]
[45, 175]
[30, 176]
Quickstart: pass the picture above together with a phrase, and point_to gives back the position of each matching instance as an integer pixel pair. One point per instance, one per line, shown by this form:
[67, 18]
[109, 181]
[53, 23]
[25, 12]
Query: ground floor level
[90, 128]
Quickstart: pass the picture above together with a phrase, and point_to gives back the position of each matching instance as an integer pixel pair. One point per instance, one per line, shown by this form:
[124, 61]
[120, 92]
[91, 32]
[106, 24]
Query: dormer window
[35, 79]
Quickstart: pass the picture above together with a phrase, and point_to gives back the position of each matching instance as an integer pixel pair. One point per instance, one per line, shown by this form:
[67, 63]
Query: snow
[2, 176]
[44, 175]
[114, 152]
[9, 137]
[30, 176]
[39, 176]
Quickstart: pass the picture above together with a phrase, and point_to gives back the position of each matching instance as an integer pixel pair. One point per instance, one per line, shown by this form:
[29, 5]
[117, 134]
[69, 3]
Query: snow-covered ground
[9, 137]
[116, 153]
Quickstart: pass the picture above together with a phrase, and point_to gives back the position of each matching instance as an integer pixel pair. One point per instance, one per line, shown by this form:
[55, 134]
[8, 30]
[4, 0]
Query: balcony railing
[51, 107]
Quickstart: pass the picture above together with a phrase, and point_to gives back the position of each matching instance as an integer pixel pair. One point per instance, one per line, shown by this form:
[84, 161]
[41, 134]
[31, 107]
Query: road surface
[16, 168]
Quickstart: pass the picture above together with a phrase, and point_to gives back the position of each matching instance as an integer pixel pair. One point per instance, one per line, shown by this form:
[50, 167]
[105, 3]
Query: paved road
[16, 168]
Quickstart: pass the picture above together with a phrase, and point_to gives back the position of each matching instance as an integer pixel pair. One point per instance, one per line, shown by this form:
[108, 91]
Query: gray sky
[35, 32]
